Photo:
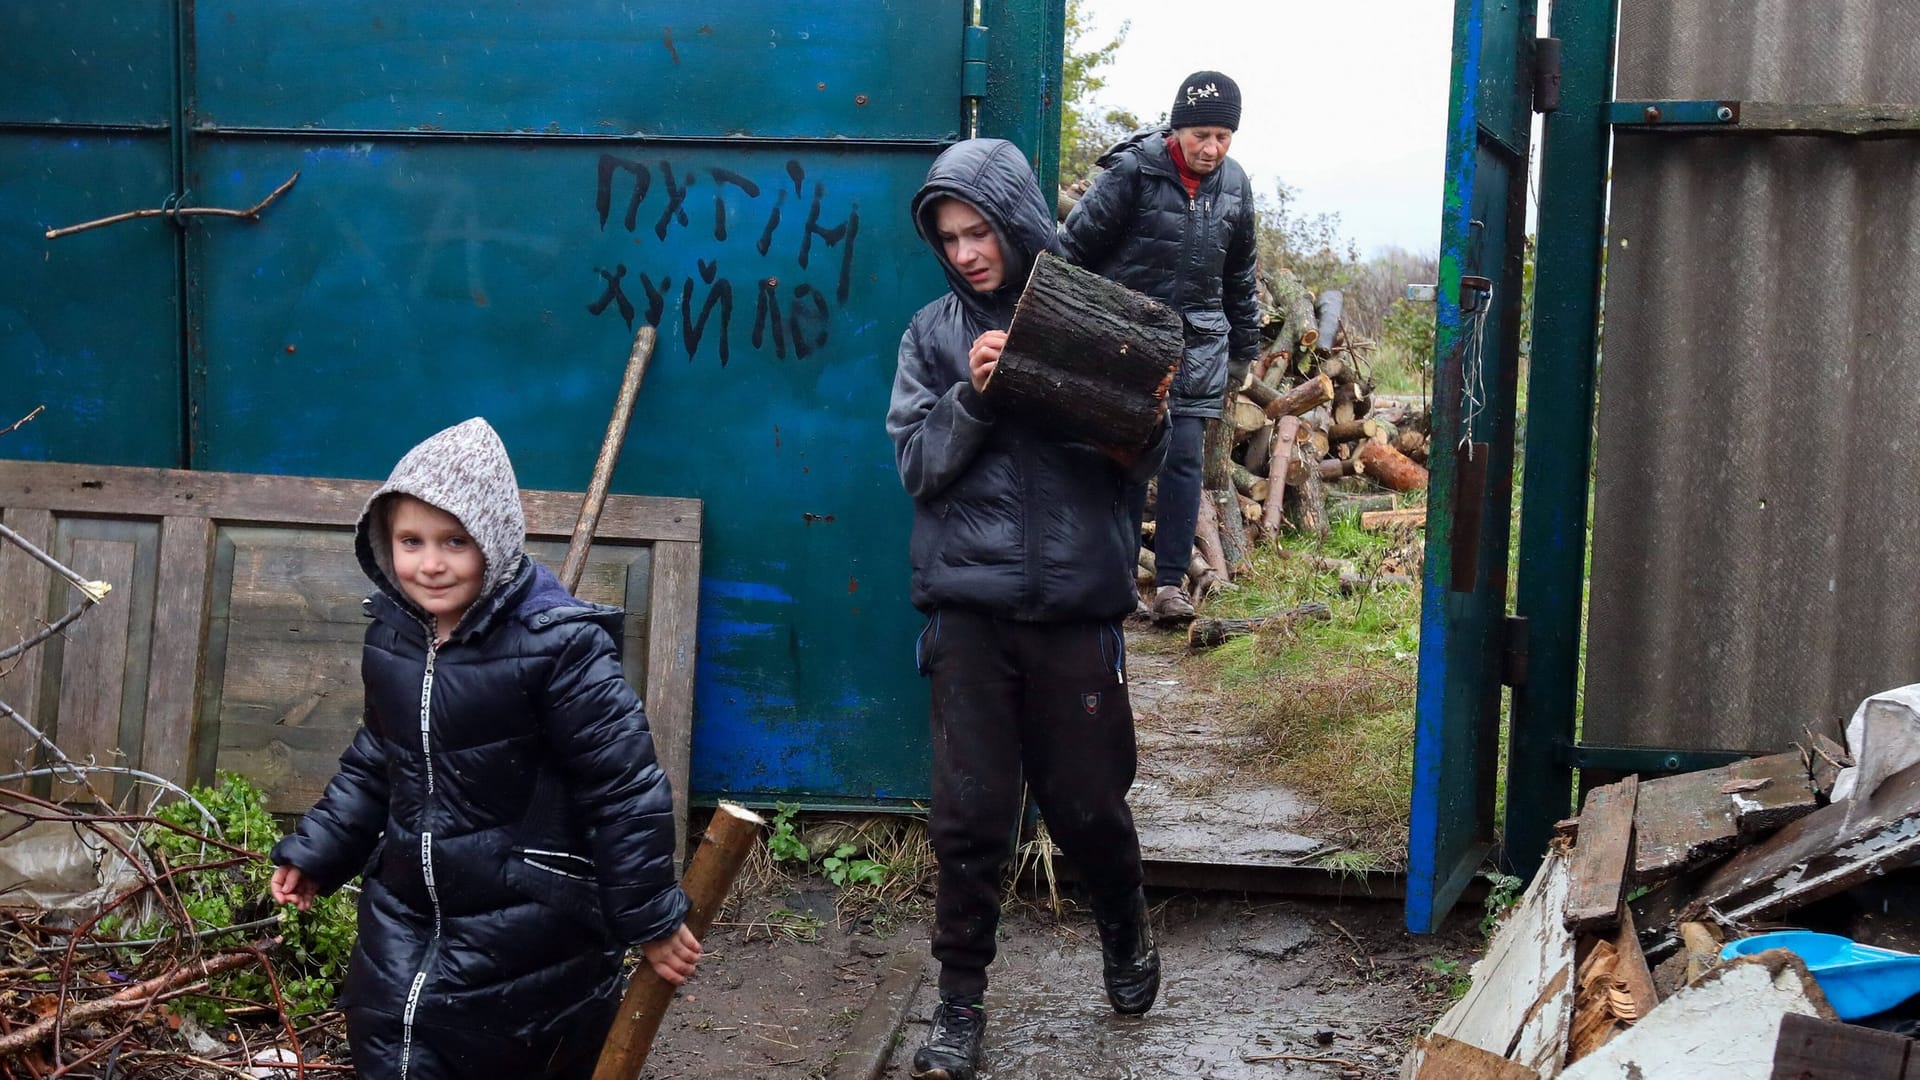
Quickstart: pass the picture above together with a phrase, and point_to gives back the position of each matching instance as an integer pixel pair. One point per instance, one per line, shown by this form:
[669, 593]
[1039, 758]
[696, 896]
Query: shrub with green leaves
[317, 943]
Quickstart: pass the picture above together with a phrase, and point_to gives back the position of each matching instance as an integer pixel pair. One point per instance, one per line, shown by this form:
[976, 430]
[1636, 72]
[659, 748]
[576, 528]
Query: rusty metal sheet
[1758, 473]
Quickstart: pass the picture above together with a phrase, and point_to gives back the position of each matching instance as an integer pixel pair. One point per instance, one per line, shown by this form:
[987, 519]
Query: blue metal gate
[491, 197]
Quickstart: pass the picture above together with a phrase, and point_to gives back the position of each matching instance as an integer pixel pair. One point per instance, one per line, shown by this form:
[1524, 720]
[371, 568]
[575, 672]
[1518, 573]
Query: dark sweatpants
[1043, 700]
[1176, 510]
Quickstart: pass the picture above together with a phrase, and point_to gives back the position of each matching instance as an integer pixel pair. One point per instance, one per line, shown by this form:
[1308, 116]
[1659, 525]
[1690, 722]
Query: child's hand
[673, 958]
[984, 356]
[290, 886]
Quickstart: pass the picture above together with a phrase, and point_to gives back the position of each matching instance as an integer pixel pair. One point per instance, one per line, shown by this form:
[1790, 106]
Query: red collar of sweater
[1188, 178]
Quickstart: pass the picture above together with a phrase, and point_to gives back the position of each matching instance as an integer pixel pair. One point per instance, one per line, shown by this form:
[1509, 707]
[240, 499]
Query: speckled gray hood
[465, 471]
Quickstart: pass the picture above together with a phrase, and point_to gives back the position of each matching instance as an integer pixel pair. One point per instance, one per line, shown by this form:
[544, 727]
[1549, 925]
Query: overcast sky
[1345, 100]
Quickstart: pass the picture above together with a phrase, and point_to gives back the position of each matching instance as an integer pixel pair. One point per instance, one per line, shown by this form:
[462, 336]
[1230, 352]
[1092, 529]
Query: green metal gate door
[492, 196]
[1463, 623]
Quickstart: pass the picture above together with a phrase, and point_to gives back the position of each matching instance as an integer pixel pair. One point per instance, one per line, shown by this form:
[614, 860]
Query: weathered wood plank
[1722, 1028]
[93, 660]
[1826, 852]
[180, 614]
[1687, 820]
[1600, 860]
[1813, 1049]
[1520, 1005]
[115, 491]
[23, 610]
[1632, 965]
[676, 589]
[1450, 1059]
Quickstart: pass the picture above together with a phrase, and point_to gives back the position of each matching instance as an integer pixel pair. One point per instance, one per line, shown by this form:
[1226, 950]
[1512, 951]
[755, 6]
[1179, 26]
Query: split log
[1257, 450]
[1250, 510]
[1327, 310]
[1354, 431]
[1212, 633]
[1351, 401]
[1391, 467]
[1247, 418]
[1087, 358]
[1330, 470]
[1253, 487]
[1290, 297]
[731, 835]
[1387, 519]
[1235, 547]
[1286, 451]
[1310, 394]
[1340, 502]
[1206, 536]
[1310, 506]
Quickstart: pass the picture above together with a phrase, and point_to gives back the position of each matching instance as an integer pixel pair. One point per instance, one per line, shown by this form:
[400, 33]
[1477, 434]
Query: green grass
[1330, 703]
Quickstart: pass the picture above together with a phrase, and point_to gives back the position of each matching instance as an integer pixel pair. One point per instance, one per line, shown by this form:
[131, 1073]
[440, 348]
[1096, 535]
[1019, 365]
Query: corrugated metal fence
[1757, 507]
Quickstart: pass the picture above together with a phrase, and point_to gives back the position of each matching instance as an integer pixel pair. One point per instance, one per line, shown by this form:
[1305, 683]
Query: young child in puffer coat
[501, 797]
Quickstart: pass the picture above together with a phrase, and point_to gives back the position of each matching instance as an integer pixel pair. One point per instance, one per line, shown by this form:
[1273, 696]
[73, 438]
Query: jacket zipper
[426, 860]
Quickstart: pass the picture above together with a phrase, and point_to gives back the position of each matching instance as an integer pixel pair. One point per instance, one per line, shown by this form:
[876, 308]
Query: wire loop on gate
[1476, 302]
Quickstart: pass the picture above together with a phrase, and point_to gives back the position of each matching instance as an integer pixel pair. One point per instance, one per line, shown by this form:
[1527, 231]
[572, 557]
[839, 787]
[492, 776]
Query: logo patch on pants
[1090, 702]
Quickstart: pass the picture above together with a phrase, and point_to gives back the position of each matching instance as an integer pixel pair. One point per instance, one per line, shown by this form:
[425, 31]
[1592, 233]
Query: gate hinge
[973, 65]
[1546, 74]
[1513, 651]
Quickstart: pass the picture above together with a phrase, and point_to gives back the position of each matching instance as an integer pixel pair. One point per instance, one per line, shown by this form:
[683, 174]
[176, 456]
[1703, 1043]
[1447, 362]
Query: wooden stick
[582, 541]
[251, 213]
[1210, 633]
[732, 834]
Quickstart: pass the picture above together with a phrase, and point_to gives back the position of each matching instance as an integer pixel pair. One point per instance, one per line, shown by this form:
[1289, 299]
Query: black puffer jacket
[1137, 226]
[502, 797]
[1007, 519]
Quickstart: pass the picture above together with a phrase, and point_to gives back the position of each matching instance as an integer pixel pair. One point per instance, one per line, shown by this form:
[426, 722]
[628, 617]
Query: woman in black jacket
[1023, 559]
[502, 795]
[1172, 217]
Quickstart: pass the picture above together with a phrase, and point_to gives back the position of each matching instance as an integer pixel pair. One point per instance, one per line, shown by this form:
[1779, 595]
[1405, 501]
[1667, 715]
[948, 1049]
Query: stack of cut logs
[1302, 437]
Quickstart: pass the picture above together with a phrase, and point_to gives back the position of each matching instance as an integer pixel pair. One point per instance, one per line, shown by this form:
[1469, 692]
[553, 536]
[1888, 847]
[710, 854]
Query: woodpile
[1611, 964]
[1303, 437]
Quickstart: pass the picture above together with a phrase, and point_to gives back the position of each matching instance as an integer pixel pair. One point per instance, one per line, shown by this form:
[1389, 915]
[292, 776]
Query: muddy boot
[953, 1047]
[1170, 605]
[1128, 957]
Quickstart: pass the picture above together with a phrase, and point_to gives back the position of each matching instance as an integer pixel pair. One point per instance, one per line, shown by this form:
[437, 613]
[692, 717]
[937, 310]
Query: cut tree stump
[1393, 469]
[1089, 359]
[1212, 633]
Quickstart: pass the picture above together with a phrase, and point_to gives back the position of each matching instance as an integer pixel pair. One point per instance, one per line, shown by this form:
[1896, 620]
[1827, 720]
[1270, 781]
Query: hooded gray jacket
[1137, 226]
[1007, 519]
[502, 795]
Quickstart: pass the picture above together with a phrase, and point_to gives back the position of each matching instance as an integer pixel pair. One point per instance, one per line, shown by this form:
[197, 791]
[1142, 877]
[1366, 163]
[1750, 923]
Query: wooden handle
[583, 530]
[730, 837]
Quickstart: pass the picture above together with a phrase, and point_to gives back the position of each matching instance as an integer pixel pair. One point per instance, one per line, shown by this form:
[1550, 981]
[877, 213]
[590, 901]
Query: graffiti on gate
[658, 198]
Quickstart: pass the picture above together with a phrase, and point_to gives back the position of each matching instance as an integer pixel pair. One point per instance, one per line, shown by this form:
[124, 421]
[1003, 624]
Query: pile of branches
[77, 998]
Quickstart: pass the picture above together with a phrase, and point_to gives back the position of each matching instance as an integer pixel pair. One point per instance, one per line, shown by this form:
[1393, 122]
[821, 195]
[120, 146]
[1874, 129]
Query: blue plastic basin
[1859, 980]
